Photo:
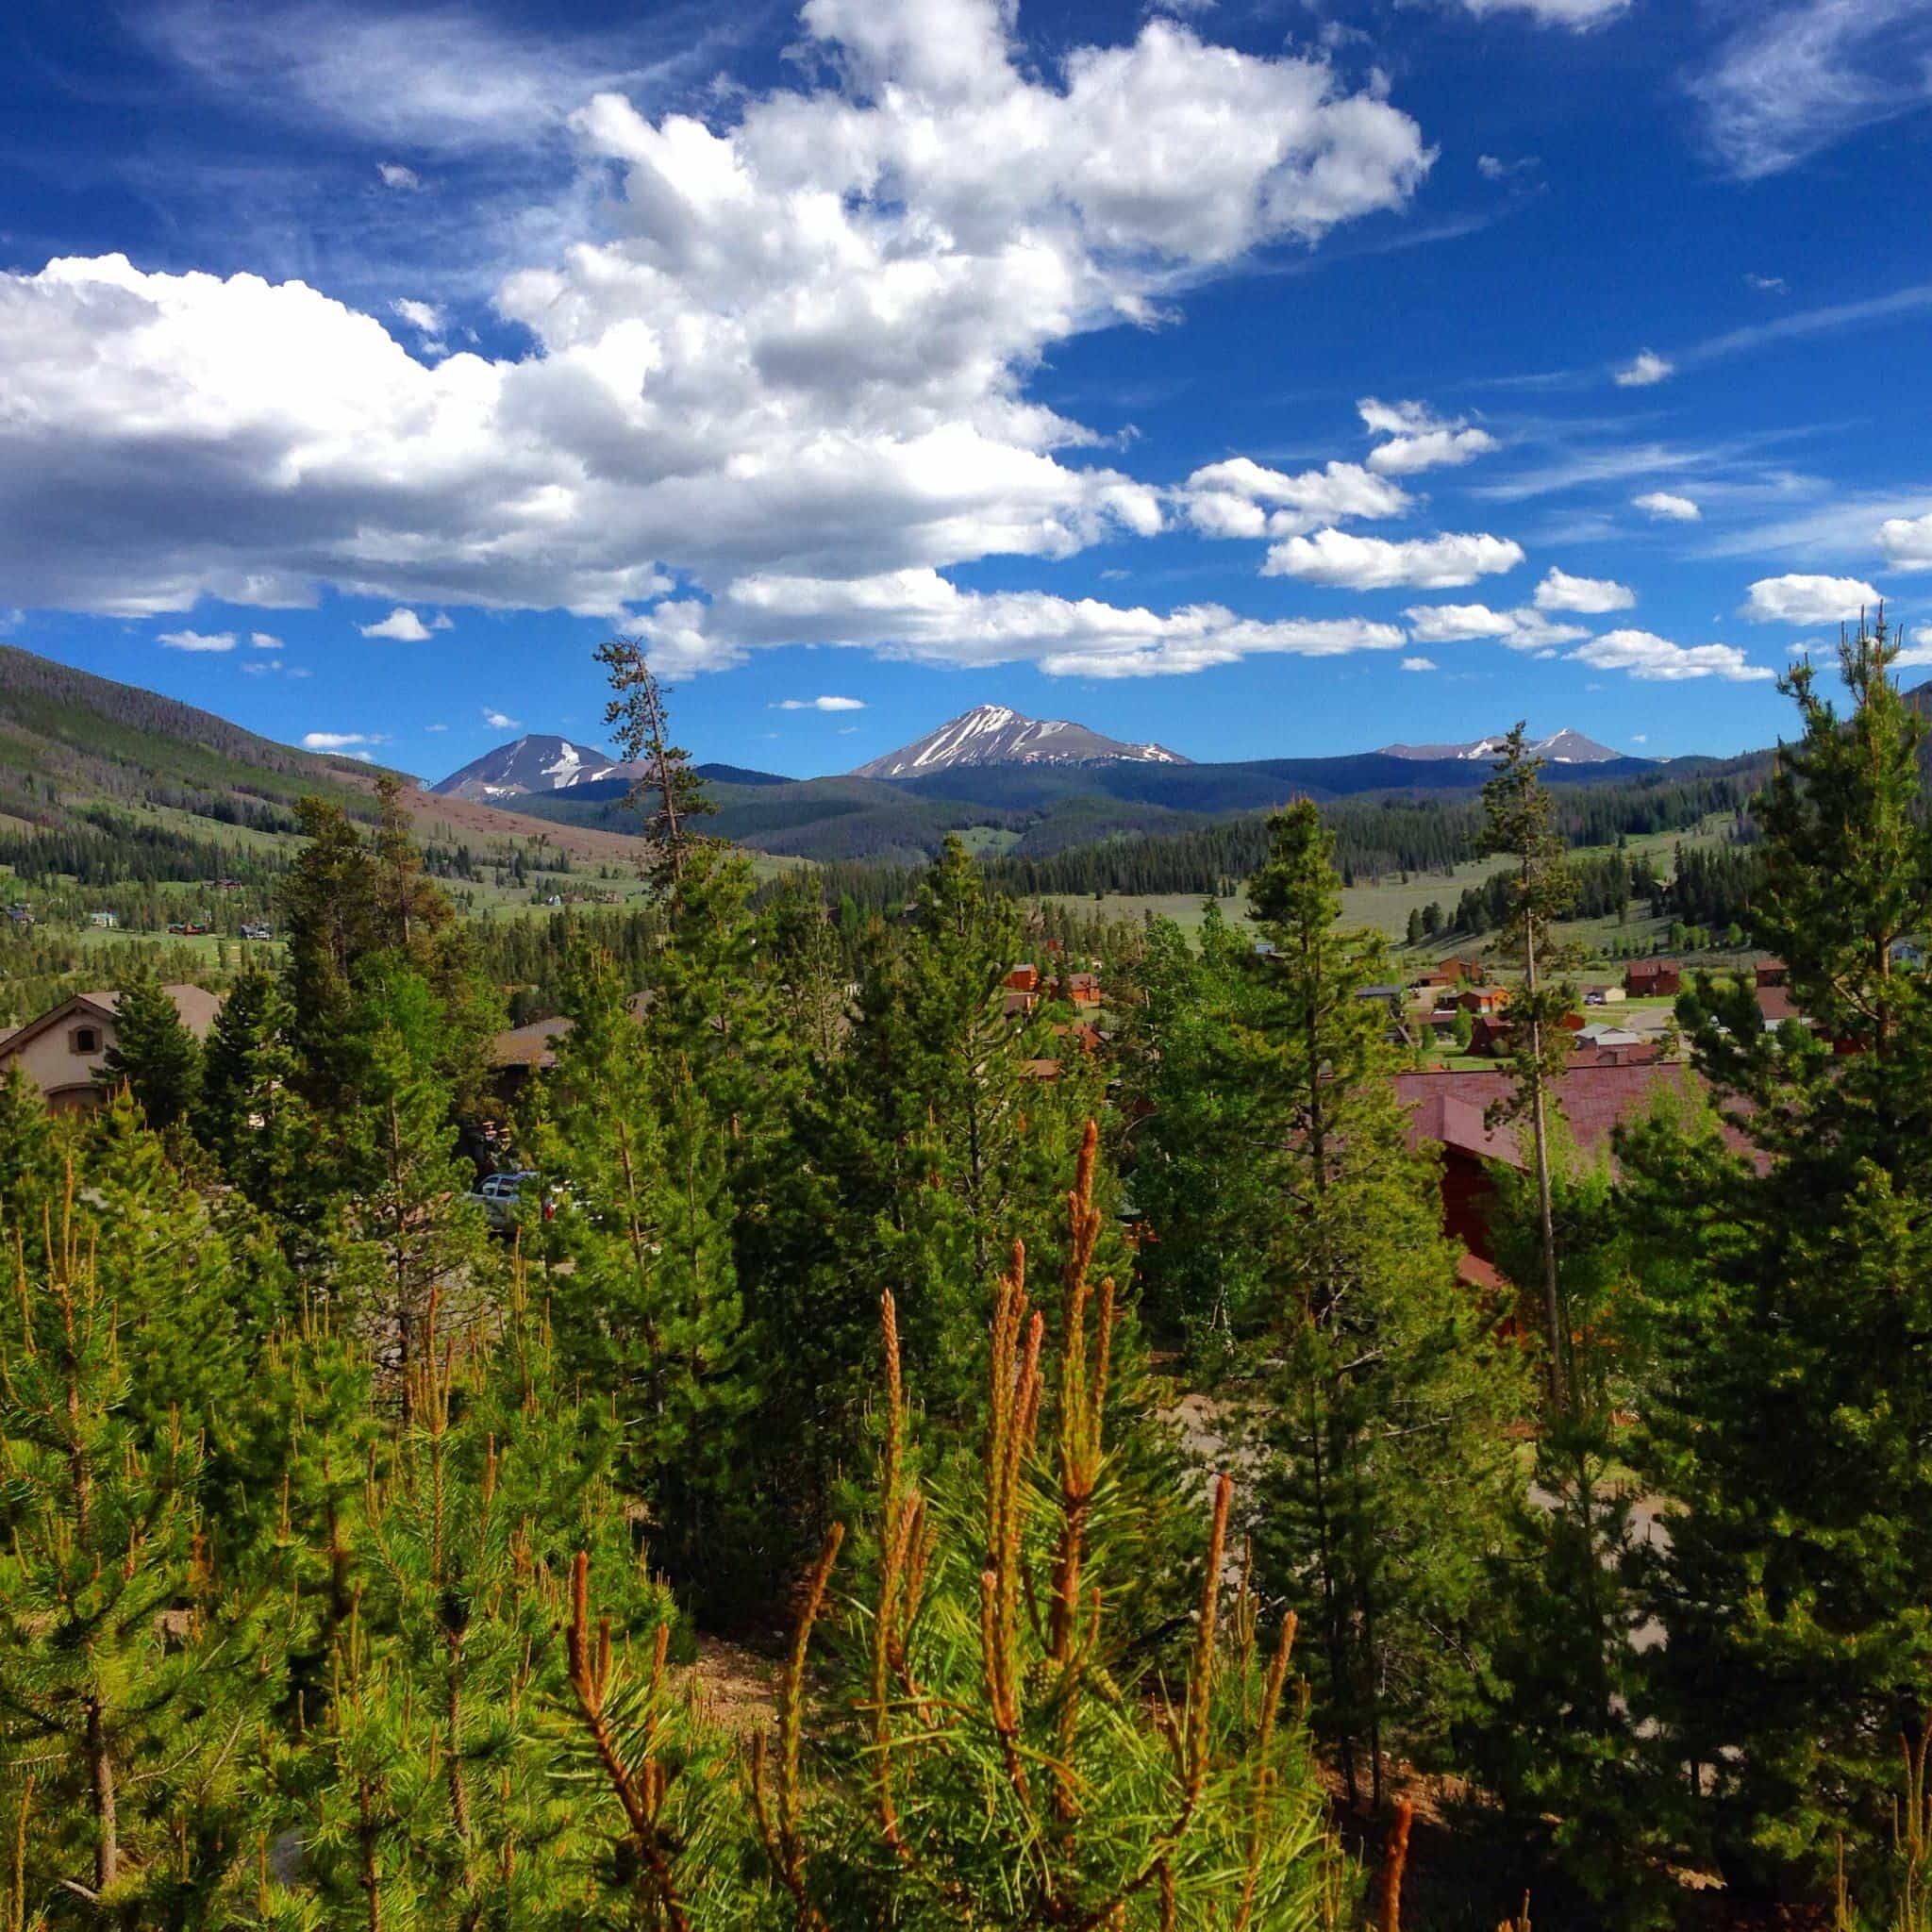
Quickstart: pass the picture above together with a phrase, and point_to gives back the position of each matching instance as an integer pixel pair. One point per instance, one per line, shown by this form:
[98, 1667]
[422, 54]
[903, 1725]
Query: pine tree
[1201, 1160]
[1790, 1287]
[643, 734]
[648, 1313]
[444, 1798]
[248, 1114]
[330, 914]
[1005, 1760]
[1392, 1483]
[124, 1680]
[407, 1234]
[30, 1160]
[153, 1053]
[1519, 824]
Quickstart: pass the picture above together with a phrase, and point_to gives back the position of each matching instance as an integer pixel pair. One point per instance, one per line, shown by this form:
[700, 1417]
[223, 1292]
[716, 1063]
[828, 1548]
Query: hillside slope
[82, 754]
[68, 738]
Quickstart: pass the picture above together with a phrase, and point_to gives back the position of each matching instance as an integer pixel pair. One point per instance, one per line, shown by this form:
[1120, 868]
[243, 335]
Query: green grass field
[1384, 904]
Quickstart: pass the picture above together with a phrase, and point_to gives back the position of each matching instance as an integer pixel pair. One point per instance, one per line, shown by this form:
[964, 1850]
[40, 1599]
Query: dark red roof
[1447, 1106]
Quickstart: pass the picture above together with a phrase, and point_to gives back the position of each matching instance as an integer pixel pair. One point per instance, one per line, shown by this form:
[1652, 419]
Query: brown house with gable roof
[62, 1050]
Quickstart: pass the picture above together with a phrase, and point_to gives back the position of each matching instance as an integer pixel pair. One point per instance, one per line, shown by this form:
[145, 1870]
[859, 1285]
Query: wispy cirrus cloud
[1791, 80]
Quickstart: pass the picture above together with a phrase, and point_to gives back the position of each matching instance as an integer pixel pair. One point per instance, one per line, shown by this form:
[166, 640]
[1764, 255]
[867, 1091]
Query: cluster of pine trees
[1674, 1642]
[353, 1564]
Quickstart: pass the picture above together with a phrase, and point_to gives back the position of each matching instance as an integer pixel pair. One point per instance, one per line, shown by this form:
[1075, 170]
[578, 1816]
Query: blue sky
[1263, 378]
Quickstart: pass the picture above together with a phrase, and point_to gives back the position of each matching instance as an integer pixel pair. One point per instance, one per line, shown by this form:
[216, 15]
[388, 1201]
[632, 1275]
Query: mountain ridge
[998, 735]
[1565, 747]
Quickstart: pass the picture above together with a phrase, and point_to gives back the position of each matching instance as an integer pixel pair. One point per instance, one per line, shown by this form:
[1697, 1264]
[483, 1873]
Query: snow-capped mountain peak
[535, 762]
[997, 735]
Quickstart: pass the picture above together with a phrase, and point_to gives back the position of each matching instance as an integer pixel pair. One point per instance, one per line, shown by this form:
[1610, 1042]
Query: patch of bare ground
[735, 1687]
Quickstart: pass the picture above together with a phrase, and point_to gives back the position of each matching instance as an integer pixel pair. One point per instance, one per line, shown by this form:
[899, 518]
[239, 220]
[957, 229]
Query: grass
[1384, 904]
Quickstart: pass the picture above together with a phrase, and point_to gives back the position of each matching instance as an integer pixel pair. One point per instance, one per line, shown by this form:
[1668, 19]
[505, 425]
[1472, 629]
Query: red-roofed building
[1447, 1110]
[1773, 973]
[1653, 979]
[1023, 979]
[1083, 988]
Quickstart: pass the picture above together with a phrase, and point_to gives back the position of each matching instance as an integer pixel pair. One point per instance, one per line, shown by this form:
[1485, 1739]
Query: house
[1773, 973]
[106, 921]
[1605, 996]
[1604, 1034]
[1489, 1036]
[1483, 999]
[1016, 1005]
[1083, 988]
[257, 932]
[1023, 979]
[1433, 980]
[1775, 1005]
[1461, 969]
[1448, 1110]
[1653, 979]
[62, 1050]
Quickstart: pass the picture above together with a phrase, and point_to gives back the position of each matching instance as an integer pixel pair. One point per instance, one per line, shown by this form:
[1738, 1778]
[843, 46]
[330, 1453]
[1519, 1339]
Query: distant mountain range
[993, 735]
[1565, 747]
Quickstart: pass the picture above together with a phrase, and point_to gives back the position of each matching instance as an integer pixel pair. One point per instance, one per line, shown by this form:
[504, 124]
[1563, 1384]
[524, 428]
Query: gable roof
[1448, 1108]
[196, 1006]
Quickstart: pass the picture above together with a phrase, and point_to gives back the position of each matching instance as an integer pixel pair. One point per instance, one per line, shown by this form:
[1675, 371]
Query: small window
[87, 1040]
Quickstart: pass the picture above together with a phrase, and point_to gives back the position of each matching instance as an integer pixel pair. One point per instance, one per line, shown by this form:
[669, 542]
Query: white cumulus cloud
[1801, 599]
[1661, 506]
[337, 741]
[1419, 665]
[1521, 629]
[197, 640]
[1643, 369]
[500, 721]
[1229, 499]
[921, 616]
[796, 342]
[827, 703]
[1347, 561]
[264, 640]
[1593, 596]
[395, 176]
[1419, 438]
[1906, 541]
[403, 625]
[1655, 660]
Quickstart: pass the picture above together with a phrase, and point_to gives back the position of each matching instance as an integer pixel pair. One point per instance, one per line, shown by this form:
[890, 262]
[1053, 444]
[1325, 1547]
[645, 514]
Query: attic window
[86, 1040]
